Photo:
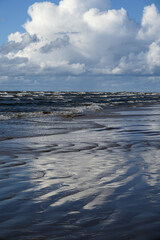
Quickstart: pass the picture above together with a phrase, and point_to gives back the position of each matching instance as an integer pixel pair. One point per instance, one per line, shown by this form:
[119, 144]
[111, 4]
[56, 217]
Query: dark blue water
[79, 166]
[36, 104]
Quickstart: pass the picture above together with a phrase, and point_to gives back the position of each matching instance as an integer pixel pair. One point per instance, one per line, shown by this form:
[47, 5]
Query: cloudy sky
[80, 45]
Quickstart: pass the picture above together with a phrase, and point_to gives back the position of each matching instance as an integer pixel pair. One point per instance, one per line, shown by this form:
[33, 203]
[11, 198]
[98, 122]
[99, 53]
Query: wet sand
[84, 178]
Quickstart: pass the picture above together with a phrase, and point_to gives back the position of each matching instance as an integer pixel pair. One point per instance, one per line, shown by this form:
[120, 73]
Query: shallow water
[91, 176]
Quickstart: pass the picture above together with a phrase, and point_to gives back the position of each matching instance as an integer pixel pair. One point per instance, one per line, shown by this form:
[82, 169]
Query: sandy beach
[81, 178]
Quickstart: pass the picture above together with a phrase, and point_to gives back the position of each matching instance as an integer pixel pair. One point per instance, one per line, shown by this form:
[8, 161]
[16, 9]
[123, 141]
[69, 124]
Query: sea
[79, 166]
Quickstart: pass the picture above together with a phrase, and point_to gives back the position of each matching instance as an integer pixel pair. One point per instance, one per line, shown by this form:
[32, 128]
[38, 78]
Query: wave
[63, 113]
[68, 104]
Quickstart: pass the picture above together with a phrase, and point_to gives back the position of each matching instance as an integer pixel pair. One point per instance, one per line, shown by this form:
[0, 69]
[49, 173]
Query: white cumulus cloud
[150, 30]
[86, 38]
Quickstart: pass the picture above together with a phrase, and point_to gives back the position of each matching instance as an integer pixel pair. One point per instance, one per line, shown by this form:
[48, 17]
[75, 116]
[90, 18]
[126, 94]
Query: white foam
[2, 117]
[91, 108]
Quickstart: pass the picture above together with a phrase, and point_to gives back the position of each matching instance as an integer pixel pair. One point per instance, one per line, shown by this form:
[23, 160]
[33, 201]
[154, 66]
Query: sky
[80, 45]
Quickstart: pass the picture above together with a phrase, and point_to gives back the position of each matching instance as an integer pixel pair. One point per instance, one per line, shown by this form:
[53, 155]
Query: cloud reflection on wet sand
[97, 183]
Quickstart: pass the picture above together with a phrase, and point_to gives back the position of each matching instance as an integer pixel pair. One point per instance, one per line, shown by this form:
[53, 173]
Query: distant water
[81, 166]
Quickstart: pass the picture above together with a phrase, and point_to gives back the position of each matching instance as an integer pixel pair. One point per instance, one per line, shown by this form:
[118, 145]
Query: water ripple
[86, 184]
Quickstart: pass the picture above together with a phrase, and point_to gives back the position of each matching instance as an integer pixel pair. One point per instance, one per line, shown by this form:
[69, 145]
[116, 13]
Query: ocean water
[83, 166]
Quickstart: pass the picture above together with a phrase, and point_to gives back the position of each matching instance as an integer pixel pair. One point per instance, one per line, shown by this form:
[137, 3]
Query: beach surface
[76, 167]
